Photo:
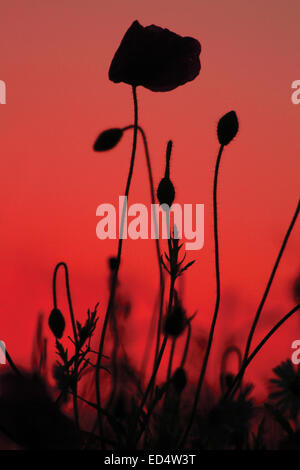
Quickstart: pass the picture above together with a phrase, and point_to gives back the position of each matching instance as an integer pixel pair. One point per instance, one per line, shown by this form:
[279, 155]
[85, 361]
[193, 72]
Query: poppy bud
[108, 139]
[166, 192]
[227, 128]
[175, 322]
[56, 323]
[179, 379]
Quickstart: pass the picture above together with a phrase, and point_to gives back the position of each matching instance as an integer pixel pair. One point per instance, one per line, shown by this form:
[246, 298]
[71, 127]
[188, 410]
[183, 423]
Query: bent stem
[266, 292]
[115, 274]
[217, 304]
[63, 265]
[246, 363]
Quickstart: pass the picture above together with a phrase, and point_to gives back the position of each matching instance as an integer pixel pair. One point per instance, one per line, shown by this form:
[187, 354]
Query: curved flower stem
[63, 265]
[161, 275]
[266, 292]
[217, 304]
[115, 274]
[241, 372]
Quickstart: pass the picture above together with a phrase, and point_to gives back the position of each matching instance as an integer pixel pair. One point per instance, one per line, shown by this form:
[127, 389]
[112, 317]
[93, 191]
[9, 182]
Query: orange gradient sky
[54, 59]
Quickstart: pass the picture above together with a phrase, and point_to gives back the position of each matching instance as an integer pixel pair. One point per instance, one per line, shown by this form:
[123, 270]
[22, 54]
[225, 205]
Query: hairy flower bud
[56, 323]
[108, 139]
[228, 127]
[166, 192]
[176, 321]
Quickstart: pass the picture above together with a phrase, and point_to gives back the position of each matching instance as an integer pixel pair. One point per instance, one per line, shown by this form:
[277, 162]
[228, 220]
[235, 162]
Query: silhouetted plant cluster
[116, 406]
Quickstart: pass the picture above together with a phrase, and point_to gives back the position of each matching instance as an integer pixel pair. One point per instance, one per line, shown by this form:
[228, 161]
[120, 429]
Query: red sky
[55, 57]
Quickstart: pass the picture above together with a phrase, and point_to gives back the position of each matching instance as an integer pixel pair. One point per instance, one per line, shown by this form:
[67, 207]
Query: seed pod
[228, 127]
[108, 139]
[56, 323]
[179, 379]
[176, 321]
[166, 192]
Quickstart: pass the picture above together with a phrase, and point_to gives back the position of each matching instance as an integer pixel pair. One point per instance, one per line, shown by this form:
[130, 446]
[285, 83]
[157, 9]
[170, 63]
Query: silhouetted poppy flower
[56, 323]
[228, 127]
[155, 58]
[108, 139]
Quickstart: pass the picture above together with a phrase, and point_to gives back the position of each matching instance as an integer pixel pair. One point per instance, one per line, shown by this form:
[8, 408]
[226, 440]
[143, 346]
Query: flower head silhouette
[286, 391]
[155, 58]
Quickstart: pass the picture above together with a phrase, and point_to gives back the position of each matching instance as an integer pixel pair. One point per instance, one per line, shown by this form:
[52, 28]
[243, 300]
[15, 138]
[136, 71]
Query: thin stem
[187, 343]
[266, 292]
[169, 370]
[160, 355]
[115, 274]
[171, 359]
[164, 343]
[217, 304]
[162, 349]
[257, 349]
[168, 156]
[63, 265]
[161, 275]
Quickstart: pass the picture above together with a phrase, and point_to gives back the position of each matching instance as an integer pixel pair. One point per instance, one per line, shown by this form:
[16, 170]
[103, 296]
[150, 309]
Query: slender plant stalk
[187, 343]
[169, 371]
[162, 349]
[266, 292]
[171, 359]
[217, 304]
[164, 343]
[161, 274]
[116, 271]
[64, 266]
[246, 363]
[152, 196]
